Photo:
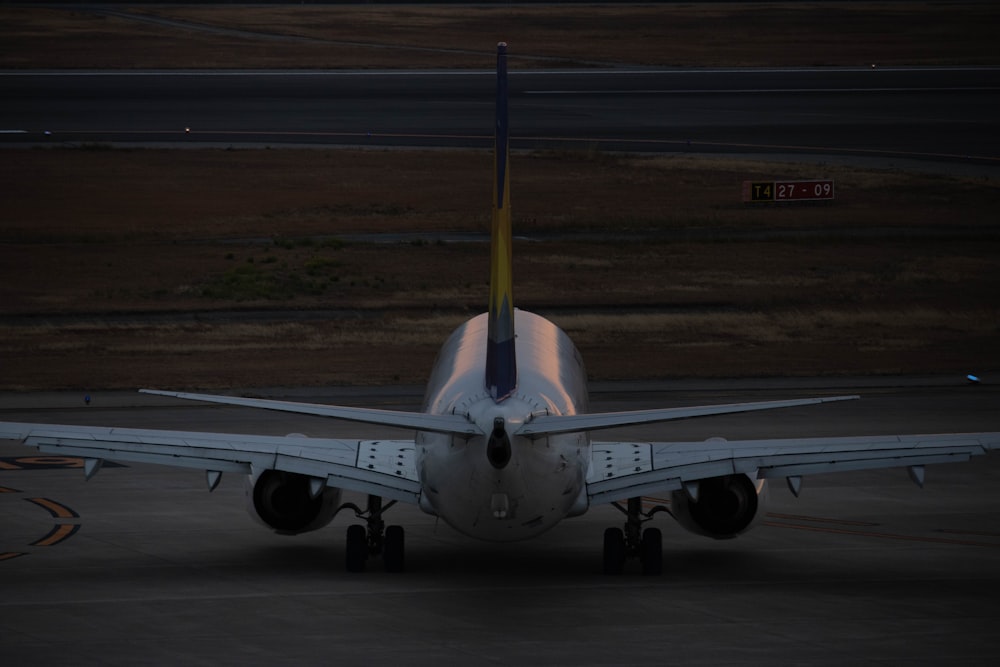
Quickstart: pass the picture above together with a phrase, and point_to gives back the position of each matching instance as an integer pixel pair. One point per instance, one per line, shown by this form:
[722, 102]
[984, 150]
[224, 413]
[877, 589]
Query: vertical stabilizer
[501, 368]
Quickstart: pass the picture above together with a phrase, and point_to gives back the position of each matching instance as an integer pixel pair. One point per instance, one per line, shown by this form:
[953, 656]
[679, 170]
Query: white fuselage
[544, 480]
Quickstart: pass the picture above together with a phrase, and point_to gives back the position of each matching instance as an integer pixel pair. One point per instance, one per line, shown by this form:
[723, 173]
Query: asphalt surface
[141, 565]
[934, 114]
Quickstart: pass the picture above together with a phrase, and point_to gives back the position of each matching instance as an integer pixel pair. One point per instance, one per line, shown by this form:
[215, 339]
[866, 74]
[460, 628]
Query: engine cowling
[281, 501]
[726, 506]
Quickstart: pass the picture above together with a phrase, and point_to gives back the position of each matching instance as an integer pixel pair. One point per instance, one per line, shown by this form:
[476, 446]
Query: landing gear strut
[374, 538]
[632, 541]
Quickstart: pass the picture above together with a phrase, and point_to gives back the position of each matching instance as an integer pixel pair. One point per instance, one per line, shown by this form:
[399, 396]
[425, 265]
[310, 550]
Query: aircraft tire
[356, 549]
[393, 549]
[651, 552]
[614, 551]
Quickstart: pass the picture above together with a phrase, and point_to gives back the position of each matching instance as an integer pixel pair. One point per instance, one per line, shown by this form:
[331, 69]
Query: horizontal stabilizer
[549, 425]
[419, 421]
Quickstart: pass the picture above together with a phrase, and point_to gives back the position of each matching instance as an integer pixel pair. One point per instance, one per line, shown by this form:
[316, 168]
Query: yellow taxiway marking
[57, 534]
[57, 510]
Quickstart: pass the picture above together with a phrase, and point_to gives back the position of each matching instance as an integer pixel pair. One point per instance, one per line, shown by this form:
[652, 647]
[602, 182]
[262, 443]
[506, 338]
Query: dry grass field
[380, 36]
[222, 267]
[235, 268]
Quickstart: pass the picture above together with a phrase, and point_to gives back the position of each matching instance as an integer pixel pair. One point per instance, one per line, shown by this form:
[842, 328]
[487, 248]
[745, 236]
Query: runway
[142, 565]
[936, 114]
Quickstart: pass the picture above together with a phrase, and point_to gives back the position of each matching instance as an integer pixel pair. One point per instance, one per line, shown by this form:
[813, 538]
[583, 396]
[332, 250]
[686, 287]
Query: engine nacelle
[282, 501]
[726, 506]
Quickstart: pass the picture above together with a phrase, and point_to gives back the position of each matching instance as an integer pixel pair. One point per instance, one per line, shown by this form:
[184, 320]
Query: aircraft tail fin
[501, 367]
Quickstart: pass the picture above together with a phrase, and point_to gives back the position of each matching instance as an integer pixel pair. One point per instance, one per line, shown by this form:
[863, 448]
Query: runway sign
[758, 191]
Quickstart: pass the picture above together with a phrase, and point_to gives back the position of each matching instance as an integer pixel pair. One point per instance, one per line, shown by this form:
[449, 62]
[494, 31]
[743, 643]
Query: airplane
[502, 449]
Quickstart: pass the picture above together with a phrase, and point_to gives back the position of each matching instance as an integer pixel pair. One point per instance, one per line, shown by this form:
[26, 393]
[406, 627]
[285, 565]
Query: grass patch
[252, 282]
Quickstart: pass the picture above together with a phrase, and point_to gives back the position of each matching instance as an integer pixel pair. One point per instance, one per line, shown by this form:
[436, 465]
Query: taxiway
[862, 569]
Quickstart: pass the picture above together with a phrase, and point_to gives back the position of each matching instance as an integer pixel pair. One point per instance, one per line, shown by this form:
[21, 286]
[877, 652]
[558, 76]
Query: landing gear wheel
[651, 551]
[631, 541]
[393, 549]
[356, 551]
[614, 551]
[373, 539]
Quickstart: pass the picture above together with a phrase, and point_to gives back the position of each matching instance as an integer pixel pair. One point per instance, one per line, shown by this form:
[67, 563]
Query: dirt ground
[237, 268]
[220, 268]
[390, 36]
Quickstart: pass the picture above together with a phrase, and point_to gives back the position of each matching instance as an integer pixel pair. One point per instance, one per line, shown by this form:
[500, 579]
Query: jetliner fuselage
[484, 494]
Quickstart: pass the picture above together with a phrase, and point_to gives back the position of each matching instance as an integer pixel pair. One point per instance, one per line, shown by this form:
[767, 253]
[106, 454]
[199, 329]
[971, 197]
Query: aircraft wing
[381, 467]
[623, 470]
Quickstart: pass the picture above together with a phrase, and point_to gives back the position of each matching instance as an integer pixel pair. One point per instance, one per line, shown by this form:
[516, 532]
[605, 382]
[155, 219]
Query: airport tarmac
[141, 565]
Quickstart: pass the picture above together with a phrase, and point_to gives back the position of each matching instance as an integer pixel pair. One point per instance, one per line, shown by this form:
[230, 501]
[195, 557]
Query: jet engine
[282, 501]
[719, 507]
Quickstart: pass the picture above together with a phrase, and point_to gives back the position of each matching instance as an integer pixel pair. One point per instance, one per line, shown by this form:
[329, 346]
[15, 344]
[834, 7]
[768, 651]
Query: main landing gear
[633, 541]
[374, 538]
